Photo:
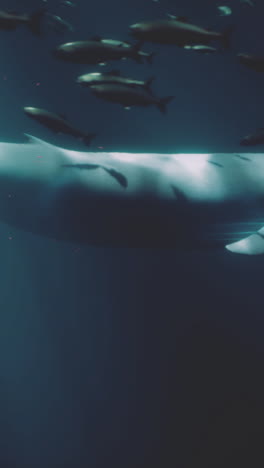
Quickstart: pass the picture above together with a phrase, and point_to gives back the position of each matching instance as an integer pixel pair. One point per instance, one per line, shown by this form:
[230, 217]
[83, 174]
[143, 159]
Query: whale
[122, 199]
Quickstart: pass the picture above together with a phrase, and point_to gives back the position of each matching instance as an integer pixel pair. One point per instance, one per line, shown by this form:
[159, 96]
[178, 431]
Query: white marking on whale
[137, 200]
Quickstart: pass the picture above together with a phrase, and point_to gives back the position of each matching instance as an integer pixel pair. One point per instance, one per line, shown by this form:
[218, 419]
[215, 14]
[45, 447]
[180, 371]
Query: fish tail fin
[148, 83]
[150, 56]
[88, 138]
[162, 103]
[226, 37]
[35, 21]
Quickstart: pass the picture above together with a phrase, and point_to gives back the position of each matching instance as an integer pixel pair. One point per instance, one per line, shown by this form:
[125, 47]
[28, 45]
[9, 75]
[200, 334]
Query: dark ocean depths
[115, 358]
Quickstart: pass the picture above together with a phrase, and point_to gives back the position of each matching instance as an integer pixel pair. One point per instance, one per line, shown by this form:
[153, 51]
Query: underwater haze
[131, 358]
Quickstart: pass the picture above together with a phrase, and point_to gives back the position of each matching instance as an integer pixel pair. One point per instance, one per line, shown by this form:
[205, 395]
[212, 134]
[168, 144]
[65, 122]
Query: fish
[97, 51]
[252, 61]
[58, 24]
[9, 21]
[175, 201]
[68, 3]
[256, 138]
[114, 77]
[129, 97]
[202, 49]
[224, 10]
[178, 31]
[248, 2]
[141, 55]
[57, 123]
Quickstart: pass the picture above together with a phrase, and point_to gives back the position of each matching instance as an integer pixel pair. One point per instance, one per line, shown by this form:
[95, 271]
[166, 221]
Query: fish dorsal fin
[183, 19]
[96, 38]
[172, 17]
[113, 72]
[251, 245]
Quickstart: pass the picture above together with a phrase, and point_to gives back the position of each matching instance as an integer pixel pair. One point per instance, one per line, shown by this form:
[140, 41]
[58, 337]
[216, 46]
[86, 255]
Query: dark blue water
[131, 358]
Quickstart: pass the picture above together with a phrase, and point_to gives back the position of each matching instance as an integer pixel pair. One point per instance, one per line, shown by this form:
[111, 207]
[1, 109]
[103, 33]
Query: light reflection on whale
[184, 201]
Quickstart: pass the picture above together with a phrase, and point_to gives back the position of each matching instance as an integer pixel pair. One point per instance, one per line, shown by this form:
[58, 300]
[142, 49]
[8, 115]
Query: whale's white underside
[128, 199]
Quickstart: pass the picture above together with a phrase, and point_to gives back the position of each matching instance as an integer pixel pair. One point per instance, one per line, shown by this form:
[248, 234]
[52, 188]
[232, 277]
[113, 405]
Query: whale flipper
[251, 245]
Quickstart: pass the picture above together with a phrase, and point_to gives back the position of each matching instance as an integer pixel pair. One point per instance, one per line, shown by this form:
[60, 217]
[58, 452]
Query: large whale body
[181, 201]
